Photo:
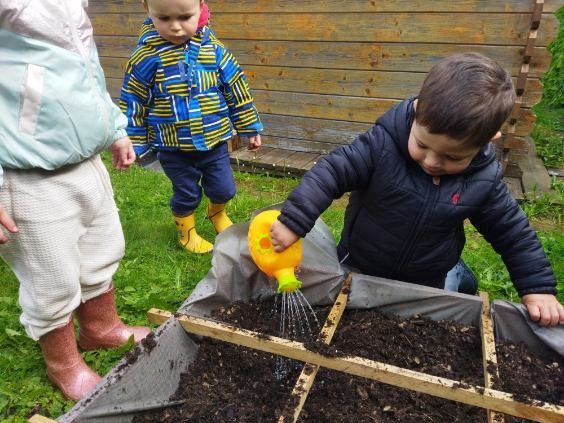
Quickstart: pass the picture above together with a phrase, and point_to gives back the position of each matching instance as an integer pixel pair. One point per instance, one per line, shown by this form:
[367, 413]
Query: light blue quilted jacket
[55, 106]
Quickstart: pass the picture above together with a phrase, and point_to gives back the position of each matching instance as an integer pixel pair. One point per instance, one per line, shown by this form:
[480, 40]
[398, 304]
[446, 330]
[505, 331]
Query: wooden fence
[323, 71]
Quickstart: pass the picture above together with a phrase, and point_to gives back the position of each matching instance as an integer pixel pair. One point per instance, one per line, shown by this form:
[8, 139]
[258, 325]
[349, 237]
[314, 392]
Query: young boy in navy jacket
[416, 175]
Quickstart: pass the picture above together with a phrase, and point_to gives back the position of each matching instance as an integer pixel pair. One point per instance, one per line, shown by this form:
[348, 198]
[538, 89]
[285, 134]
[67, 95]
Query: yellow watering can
[278, 265]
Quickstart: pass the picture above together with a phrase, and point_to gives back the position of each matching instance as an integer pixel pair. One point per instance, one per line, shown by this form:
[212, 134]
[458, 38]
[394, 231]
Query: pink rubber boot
[65, 367]
[100, 325]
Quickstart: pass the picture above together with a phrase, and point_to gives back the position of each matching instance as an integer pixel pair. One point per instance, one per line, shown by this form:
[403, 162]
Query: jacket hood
[150, 36]
[398, 121]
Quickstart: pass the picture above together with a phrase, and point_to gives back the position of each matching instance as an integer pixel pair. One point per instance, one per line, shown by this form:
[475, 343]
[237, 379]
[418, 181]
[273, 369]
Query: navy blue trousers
[193, 171]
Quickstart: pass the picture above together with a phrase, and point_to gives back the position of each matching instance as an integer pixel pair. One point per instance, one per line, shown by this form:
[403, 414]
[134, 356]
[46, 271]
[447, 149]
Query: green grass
[549, 130]
[156, 273]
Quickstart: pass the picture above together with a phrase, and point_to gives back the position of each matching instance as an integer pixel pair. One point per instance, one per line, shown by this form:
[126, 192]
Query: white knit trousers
[69, 242]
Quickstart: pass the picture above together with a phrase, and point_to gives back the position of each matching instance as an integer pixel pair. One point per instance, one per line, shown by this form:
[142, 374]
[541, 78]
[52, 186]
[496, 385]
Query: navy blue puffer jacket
[400, 225]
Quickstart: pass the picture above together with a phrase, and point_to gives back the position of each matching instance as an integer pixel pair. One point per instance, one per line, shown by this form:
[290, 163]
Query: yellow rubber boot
[216, 213]
[188, 237]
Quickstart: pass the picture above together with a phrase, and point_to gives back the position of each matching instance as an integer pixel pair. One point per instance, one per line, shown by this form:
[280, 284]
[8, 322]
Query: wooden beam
[323, 6]
[38, 418]
[309, 372]
[489, 357]
[404, 378]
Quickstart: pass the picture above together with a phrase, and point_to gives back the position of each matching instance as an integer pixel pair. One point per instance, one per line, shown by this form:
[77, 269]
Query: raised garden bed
[228, 382]
[145, 382]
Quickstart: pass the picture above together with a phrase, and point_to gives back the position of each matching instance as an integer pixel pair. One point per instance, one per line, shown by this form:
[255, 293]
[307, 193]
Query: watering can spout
[278, 265]
[287, 281]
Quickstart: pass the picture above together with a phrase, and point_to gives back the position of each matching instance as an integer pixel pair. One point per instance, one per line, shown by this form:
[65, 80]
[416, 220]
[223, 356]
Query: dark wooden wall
[323, 70]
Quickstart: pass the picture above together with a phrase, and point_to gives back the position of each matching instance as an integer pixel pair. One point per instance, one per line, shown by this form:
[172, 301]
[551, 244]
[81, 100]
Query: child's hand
[544, 309]
[254, 142]
[282, 237]
[123, 155]
[8, 223]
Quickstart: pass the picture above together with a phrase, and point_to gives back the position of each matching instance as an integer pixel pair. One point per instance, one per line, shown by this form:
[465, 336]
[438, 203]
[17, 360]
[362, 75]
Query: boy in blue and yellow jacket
[183, 93]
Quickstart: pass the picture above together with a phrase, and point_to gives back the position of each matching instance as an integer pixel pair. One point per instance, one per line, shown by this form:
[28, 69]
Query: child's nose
[175, 26]
[432, 161]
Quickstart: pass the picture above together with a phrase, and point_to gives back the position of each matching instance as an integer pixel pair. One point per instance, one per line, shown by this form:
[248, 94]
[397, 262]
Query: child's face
[175, 20]
[438, 154]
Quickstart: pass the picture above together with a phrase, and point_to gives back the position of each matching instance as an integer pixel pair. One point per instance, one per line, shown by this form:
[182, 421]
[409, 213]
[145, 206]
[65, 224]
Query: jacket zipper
[413, 238]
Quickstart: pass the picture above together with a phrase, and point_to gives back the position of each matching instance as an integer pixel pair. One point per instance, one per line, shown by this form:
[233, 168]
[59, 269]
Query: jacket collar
[150, 36]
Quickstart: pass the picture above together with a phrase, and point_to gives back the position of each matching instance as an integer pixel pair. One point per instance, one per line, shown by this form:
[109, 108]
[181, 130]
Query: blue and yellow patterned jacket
[163, 114]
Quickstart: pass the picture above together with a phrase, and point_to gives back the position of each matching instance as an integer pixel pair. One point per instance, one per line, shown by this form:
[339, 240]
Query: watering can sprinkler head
[287, 281]
[273, 264]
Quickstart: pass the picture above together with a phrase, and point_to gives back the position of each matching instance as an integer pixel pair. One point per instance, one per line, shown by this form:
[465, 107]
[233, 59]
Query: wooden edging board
[477, 396]
[38, 418]
[489, 357]
[309, 372]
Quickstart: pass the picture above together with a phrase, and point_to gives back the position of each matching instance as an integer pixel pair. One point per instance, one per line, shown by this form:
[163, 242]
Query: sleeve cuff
[119, 133]
[539, 290]
[293, 226]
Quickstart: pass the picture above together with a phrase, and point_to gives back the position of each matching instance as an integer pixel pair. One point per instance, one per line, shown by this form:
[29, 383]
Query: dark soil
[530, 378]
[228, 383]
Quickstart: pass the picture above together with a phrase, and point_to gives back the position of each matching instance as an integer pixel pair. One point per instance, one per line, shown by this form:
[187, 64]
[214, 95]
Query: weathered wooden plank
[375, 56]
[296, 162]
[494, 28]
[320, 130]
[303, 145]
[38, 418]
[287, 162]
[272, 158]
[309, 372]
[358, 366]
[251, 155]
[344, 108]
[320, 6]
[396, 85]
[512, 175]
[353, 109]
[488, 352]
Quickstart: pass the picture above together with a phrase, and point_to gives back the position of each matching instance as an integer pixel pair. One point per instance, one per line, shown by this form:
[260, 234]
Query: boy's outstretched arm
[282, 236]
[507, 229]
[544, 309]
[7, 222]
[345, 169]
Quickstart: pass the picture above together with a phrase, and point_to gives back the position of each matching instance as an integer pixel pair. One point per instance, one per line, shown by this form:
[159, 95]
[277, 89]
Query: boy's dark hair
[466, 97]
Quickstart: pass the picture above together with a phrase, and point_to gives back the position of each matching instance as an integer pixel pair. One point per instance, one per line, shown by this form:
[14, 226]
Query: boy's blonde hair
[466, 97]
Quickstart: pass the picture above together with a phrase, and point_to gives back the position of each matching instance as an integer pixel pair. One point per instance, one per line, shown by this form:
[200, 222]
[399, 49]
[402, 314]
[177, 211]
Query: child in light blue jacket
[60, 231]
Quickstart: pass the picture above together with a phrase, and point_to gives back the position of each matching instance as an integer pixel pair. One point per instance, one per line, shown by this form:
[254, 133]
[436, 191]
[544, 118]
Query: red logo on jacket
[455, 198]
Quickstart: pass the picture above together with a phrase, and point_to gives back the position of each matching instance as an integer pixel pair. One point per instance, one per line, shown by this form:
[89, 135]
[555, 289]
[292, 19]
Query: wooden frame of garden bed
[453, 390]
[485, 397]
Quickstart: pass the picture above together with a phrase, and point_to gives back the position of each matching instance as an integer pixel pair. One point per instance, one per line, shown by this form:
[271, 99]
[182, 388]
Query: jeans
[461, 279]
